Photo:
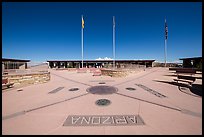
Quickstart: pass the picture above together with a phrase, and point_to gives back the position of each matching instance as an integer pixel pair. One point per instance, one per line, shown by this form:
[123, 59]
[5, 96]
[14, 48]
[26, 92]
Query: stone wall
[121, 72]
[33, 78]
[113, 73]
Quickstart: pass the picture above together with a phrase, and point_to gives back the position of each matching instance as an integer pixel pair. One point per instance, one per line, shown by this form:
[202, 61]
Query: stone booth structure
[14, 63]
[97, 63]
[17, 72]
[194, 62]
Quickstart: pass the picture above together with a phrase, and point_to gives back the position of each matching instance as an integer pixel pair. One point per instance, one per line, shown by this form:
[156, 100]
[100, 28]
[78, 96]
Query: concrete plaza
[44, 108]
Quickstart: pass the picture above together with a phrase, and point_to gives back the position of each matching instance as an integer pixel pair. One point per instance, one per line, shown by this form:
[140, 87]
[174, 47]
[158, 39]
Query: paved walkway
[45, 108]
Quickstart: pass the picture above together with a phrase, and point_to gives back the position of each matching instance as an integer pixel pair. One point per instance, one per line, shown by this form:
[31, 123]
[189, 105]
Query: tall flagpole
[165, 51]
[82, 39]
[166, 35]
[114, 42]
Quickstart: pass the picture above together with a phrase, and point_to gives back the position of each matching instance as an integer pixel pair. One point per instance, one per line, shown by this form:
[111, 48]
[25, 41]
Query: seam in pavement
[52, 130]
[139, 108]
[149, 102]
[13, 115]
[56, 102]
[26, 111]
[184, 111]
[71, 80]
[188, 112]
[157, 130]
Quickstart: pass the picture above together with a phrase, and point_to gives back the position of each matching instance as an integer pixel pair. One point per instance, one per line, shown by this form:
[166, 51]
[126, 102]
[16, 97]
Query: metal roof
[193, 58]
[14, 60]
[100, 60]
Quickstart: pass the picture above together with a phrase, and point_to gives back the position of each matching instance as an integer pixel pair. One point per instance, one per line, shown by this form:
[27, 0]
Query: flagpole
[166, 35]
[165, 52]
[82, 42]
[114, 42]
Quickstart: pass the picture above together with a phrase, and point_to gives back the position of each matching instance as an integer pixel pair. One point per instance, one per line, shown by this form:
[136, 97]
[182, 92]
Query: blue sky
[52, 31]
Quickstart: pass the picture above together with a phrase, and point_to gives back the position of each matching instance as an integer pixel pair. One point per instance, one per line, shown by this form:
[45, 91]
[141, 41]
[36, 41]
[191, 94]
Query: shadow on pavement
[171, 75]
[196, 89]
[174, 75]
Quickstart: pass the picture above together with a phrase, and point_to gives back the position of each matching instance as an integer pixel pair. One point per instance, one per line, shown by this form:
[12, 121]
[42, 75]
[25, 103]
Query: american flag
[166, 30]
[113, 21]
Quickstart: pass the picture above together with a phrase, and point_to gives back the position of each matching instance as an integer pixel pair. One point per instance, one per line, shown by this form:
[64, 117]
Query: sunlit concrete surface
[34, 110]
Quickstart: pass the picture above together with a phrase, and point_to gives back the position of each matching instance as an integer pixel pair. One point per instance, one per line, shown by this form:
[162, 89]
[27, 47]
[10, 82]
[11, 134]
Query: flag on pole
[166, 30]
[82, 39]
[114, 42]
[113, 21]
[82, 22]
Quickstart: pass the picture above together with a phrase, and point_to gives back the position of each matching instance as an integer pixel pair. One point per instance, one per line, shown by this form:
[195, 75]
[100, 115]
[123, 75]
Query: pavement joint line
[56, 102]
[139, 108]
[149, 102]
[71, 80]
[188, 112]
[184, 111]
[13, 115]
[57, 127]
[137, 77]
[26, 111]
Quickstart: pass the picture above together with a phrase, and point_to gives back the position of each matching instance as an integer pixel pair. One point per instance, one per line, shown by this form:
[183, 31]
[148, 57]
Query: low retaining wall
[120, 72]
[33, 78]
[113, 73]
